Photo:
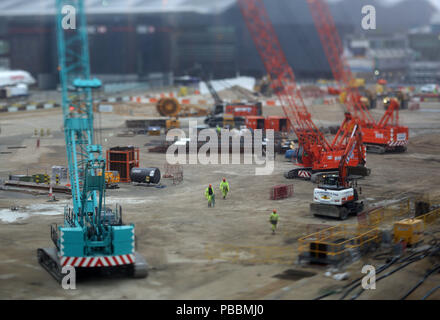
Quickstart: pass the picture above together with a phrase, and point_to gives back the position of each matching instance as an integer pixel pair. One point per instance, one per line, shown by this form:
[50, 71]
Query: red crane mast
[315, 153]
[383, 135]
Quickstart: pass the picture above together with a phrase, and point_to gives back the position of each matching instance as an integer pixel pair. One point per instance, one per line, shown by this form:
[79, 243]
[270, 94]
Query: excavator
[364, 96]
[262, 86]
[225, 113]
[222, 114]
[94, 239]
[337, 195]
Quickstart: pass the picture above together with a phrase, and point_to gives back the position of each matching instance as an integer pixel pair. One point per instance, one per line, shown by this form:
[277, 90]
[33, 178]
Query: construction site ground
[196, 252]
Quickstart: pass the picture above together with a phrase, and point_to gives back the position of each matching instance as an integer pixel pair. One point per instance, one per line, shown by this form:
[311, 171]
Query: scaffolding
[344, 243]
[337, 245]
[411, 207]
[385, 215]
[430, 218]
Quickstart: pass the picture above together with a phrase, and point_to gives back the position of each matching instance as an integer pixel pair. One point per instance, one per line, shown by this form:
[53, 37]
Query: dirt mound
[236, 93]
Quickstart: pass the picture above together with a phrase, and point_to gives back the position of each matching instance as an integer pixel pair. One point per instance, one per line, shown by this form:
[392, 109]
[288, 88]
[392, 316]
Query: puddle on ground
[7, 276]
[49, 209]
[121, 201]
[294, 275]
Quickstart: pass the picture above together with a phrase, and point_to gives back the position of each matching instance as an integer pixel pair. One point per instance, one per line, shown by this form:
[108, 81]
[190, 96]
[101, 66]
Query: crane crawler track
[48, 259]
[299, 173]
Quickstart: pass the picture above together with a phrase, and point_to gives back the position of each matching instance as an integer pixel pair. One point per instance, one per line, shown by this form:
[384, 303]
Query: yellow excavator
[112, 179]
[263, 87]
[366, 96]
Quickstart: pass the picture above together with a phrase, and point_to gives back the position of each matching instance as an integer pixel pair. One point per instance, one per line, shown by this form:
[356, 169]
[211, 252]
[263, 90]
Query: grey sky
[434, 2]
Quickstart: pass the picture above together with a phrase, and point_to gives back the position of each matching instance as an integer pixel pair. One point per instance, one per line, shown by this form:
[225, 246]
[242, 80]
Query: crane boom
[315, 153]
[93, 236]
[382, 135]
[283, 80]
[355, 142]
[333, 49]
[84, 158]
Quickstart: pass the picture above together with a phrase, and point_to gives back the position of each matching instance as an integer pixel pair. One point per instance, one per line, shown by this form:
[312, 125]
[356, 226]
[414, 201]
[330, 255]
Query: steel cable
[427, 274]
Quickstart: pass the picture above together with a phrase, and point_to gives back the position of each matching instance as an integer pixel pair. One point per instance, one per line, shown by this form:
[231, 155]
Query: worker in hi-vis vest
[274, 220]
[224, 187]
[210, 196]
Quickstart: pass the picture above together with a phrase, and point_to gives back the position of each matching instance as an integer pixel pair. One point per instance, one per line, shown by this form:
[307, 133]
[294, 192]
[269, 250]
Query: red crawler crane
[383, 135]
[315, 153]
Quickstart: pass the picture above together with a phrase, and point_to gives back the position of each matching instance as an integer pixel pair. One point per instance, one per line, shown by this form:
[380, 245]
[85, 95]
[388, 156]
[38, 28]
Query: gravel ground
[226, 252]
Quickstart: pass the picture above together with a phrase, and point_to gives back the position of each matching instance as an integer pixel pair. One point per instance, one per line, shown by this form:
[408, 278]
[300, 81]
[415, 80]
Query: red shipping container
[254, 122]
[278, 124]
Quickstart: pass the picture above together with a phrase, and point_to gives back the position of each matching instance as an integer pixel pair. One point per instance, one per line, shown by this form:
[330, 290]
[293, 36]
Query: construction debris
[37, 186]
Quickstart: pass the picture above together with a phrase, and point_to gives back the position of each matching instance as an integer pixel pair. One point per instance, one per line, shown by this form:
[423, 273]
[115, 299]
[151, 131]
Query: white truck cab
[333, 196]
[332, 200]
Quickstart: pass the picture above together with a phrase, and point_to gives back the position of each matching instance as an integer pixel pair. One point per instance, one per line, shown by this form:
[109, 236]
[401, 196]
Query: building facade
[133, 43]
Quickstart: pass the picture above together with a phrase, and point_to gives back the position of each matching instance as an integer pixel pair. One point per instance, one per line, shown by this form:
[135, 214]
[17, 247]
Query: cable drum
[145, 175]
[168, 107]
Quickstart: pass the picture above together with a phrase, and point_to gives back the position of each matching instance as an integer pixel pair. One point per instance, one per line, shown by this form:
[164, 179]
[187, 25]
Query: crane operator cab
[331, 199]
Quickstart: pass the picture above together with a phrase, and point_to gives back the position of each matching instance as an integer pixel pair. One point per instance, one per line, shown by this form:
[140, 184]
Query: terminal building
[138, 39]
[153, 40]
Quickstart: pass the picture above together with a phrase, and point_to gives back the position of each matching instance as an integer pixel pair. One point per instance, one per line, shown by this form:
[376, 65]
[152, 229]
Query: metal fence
[336, 244]
[386, 214]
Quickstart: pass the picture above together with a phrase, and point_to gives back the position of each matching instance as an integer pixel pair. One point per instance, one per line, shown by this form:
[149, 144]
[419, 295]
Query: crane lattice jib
[354, 143]
[333, 49]
[85, 161]
[283, 80]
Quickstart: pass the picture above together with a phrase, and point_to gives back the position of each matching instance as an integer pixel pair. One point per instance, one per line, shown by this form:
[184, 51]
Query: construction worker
[219, 129]
[224, 187]
[210, 196]
[274, 220]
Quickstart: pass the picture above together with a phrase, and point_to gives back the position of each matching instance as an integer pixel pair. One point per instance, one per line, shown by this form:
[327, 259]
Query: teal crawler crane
[93, 237]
